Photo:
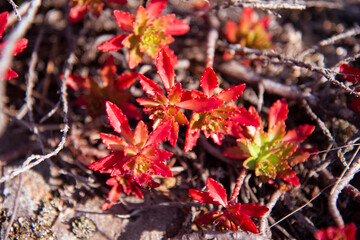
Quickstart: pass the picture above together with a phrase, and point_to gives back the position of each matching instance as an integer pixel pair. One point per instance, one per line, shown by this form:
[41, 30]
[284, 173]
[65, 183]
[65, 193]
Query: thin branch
[291, 5]
[6, 55]
[329, 41]
[36, 159]
[342, 182]
[218, 235]
[277, 58]
[14, 6]
[238, 72]
[319, 122]
[31, 81]
[213, 35]
[264, 225]
[16, 205]
[269, 5]
[239, 183]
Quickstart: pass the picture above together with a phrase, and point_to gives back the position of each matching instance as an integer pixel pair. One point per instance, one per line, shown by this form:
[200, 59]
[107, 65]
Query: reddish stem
[239, 182]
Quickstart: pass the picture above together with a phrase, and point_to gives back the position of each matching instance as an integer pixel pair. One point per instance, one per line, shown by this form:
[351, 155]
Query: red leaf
[77, 82]
[208, 218]
[146, 101]
[125, 80]
[348, 232]
[113, 142]
[150, 87]
[124, 20]
[216, 191]
[192, 136]
[171, 55]
[174, 132]
[350, 73]
[200, 104]
[3, 21]
[155, 8]
[245, 118]
[119, 121]
[159, 134]
[135, 57]
[208, 81]
[298, 134]
[108, 72]
[165, 69]
[106, 162]
[114, 44]
[175, 93]
[202, 197]
[294, 180]
[231, 31]
[10, 74]
[231, 94]
[77, 13]
[245, 223]
[141, 134]
[177, 27]
[253, 210]
[235, 153]
[20, 46]
[278, 113]
[355, 105]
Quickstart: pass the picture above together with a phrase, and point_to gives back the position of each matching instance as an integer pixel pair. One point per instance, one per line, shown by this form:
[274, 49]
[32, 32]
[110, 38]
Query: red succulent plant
[219, 118]
[79, 8]
[233, 217]
[271, 154]
[111, 89]
[20, 45]
[148, 33]
[120, 184]
[352, 75]
[135, 153]
[335, 233]
[248, 32]
[164, 109]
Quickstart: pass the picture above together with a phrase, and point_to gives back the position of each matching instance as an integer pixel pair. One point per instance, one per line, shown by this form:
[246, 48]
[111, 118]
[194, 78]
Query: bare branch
[6, 55]
[342, 182]
[264, 225]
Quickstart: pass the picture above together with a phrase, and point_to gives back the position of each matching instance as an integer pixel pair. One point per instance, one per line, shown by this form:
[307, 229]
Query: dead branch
[6, 55]
[228, 235]
[238, 72]
[280, 59]
[264, 225]
[346, 176]
[213, 35]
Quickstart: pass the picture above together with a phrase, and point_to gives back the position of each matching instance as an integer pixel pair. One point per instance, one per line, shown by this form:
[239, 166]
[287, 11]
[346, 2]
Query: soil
[60, 198]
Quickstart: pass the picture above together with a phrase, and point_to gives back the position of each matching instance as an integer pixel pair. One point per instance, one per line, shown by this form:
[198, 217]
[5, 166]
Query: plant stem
[239, 182]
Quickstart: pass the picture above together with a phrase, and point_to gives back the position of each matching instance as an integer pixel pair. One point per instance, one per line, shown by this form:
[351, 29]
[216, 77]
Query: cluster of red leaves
[148, 33]
[271, 154]
[119, 185]
[79, 8]
[248, 32]
[210, 113]
[233, 217]
[352, 75]
[20, 45]
[94, 95]
[334, 233]
[135, 153]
